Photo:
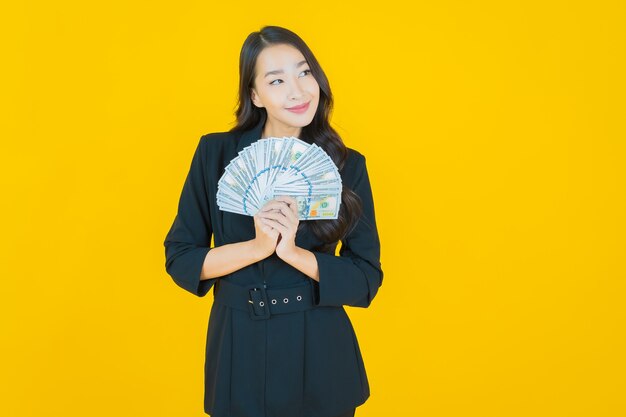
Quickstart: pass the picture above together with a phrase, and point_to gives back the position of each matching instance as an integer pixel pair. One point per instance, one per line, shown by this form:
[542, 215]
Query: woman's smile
[299, 109]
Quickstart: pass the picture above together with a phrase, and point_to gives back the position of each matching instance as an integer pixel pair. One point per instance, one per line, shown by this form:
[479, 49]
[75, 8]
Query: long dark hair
[318, 131]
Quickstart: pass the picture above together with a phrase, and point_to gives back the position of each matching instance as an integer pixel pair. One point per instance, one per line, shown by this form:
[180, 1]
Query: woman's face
[288, 84]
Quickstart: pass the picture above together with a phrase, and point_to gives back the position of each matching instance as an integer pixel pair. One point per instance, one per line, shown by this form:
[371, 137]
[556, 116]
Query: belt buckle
[258, 306]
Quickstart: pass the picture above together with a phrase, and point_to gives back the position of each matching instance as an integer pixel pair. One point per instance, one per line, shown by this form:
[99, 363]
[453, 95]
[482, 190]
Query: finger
[277, 217]
[288, 206]
[268, 228]
[282, 229]
[285, 216]
[290, 201]
[290, 214]
[272, 204]
[277, 225]
[272, 214]
[268, 214]
[293, 208]
[280, 209]
[293, 203]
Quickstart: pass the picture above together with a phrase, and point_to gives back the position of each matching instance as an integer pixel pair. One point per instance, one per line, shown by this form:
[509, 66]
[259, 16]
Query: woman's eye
[273, 82]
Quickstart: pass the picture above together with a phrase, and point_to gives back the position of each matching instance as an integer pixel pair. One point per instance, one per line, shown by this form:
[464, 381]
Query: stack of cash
[273, 167]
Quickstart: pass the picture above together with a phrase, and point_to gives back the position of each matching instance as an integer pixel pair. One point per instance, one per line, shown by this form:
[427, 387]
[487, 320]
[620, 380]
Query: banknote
[278, 166]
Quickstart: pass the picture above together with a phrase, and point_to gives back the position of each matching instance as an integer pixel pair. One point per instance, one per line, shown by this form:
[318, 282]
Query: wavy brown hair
[318, 131]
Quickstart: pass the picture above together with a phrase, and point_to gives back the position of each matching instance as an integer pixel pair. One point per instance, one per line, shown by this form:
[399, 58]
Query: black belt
[263, 302]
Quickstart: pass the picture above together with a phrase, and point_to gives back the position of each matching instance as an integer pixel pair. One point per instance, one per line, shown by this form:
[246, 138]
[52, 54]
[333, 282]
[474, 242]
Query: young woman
[279, 341]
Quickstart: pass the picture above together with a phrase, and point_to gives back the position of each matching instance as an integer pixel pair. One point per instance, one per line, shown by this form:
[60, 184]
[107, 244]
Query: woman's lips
[299, 109]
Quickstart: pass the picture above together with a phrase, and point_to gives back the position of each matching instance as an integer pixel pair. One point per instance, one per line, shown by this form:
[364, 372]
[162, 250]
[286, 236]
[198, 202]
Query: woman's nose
[295, 91]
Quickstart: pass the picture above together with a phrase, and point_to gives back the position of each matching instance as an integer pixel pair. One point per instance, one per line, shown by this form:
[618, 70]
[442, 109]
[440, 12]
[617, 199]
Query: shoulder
[355, 155]
[355, 161]
[214, 139]
[215, 146]
[353, 167]
[211, 148]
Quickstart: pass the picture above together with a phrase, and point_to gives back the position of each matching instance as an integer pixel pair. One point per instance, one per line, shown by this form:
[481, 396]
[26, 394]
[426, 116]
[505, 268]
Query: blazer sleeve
[189, 238]
[353, 278]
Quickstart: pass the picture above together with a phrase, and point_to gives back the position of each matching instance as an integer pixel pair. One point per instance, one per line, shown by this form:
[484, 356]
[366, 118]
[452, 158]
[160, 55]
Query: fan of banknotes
[273, 167]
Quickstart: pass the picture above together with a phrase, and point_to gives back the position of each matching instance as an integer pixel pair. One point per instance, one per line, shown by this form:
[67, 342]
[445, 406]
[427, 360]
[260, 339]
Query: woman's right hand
[266, 237]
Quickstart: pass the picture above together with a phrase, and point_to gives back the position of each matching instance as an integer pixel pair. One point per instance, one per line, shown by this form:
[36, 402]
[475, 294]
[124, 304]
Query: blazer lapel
[252, 135]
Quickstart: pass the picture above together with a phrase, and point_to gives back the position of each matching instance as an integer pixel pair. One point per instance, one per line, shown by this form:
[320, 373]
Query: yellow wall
[494, 133]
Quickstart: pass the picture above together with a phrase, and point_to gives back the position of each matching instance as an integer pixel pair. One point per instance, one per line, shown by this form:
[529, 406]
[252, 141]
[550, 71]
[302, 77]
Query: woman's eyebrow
[281, 71]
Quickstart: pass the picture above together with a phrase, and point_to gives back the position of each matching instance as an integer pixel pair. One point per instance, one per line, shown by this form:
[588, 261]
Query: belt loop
[257, 303]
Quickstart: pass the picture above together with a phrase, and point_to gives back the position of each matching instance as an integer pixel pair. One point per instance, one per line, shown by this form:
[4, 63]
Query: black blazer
[304, 363]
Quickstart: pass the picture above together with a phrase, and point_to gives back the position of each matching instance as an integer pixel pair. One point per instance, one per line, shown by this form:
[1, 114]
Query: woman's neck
[279, 132]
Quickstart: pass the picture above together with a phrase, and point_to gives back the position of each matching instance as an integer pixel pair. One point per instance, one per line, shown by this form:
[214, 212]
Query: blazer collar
[252, 135]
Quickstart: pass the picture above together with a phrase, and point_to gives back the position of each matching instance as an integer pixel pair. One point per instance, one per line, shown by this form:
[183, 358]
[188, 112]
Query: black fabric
[304, 363]
[348, 414]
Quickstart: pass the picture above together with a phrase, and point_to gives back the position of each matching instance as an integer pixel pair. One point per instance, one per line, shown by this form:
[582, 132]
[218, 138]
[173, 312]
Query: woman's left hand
[281, 213]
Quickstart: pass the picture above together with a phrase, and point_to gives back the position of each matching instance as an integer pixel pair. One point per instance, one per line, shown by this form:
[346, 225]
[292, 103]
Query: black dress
[300, 364]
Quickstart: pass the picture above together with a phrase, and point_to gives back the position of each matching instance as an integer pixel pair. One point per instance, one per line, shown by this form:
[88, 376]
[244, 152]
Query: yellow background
[494, 135]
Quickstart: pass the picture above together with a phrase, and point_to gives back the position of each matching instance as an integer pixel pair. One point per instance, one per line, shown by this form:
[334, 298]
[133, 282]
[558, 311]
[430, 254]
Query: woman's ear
[255, 98]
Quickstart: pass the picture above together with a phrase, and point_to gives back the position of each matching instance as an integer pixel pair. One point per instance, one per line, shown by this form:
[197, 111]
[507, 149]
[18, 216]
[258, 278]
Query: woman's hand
[281, 216]
[265, 237]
